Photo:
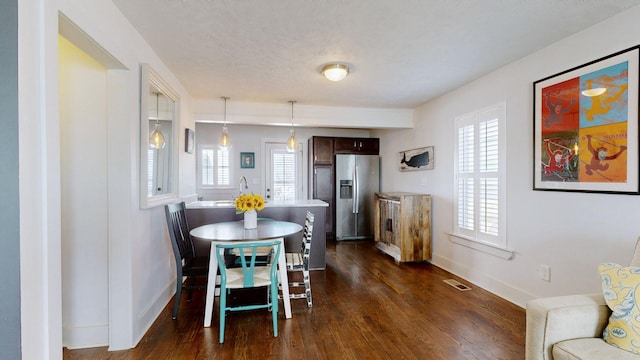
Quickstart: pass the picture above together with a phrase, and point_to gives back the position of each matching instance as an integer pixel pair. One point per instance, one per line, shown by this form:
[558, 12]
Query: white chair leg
[307, 287]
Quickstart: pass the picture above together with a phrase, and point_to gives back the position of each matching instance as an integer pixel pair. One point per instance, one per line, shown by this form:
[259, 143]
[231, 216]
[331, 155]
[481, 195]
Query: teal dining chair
[249, 275]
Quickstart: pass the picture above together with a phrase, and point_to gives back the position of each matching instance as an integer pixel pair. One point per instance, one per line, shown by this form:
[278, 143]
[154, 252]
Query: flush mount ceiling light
[335, 72]
[156, 139]
[291, 143]
[224, 140]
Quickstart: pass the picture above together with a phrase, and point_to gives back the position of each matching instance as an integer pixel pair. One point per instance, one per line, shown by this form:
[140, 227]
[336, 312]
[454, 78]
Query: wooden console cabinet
[402, 225]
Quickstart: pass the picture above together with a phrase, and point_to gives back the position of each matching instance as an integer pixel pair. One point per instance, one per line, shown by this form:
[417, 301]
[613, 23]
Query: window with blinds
[215, 167]
[284, 175]
[480, 176]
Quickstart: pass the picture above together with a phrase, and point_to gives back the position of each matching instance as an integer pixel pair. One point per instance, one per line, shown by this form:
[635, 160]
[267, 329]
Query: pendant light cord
[225, 109]
[292, 102]
[157, 107]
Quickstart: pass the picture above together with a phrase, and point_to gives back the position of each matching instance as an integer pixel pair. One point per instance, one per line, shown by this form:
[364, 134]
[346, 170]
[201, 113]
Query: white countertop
[270, 204]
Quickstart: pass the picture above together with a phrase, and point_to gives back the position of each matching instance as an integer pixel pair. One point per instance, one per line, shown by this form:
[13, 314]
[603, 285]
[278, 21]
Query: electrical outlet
[545, 272]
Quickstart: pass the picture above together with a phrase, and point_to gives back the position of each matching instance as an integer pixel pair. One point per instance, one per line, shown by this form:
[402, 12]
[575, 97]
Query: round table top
[235, 231]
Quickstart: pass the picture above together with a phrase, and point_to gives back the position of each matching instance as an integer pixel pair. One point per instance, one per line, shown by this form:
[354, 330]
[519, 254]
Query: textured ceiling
[402, 53]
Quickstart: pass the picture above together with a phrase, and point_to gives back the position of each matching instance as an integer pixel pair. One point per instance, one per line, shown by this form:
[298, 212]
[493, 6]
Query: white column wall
[83, 159]
[140, 272]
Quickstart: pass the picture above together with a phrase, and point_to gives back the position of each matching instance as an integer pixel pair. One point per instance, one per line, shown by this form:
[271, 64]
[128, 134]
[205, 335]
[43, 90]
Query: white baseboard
[85, 336]
[497, 287]
[150, 314]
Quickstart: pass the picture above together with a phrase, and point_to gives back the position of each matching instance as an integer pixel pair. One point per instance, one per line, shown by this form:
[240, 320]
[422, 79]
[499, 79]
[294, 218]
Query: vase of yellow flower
[249, 204]
[250, 219]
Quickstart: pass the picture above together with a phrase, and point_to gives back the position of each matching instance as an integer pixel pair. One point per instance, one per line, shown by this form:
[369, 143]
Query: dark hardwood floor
[364, 307]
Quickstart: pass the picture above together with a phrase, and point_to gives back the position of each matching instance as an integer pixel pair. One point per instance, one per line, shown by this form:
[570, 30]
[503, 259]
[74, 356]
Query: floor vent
[457, 285]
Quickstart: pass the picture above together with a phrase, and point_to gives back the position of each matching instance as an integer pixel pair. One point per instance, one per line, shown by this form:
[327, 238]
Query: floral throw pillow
[621, 289]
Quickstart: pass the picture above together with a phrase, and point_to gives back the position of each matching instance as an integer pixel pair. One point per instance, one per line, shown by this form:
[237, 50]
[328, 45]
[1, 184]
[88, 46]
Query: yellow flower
[248, 202]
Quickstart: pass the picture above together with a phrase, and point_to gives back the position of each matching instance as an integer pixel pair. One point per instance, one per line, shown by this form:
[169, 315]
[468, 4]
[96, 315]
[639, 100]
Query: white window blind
[479, 172]
[207, 166]
[222, 167]
[284, 175]
[151, 160]
[214, 166]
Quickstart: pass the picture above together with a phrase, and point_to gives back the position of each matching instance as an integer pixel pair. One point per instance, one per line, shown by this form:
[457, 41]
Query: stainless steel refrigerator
[357, 179]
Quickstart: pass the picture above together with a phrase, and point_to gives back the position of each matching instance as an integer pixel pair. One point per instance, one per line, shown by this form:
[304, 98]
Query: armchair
[570, 327]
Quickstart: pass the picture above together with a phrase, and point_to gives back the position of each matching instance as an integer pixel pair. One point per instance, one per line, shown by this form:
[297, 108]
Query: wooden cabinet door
[345, 145]
[363, 146]
[323, 190]
[396, 221]
[385, 217]
[390, 222]
[370, 146]
[322, 150]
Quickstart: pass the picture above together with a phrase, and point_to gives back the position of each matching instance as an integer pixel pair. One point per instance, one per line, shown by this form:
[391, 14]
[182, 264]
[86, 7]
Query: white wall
[250, 138]
[83, 161]
[10, 337]
[247, 113]
[584, 229]
[140, 268]
[140, 265]
[571, 232]
[40, 299]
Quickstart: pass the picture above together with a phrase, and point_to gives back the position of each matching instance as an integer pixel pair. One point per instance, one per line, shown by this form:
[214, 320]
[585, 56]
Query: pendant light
[291, 143]
[225, 141]
[156, 139]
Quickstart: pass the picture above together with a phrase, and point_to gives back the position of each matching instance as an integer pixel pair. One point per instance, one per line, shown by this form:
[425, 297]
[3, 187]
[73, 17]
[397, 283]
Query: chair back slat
[299, 261]
[178, 226]
[248, 267]
[307, 234]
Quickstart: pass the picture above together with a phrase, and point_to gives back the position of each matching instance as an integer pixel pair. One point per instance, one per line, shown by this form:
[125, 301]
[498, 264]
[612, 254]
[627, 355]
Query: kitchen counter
[208, 212]
[269, 204]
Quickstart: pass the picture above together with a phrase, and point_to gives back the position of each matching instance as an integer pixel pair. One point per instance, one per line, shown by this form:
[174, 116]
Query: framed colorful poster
[586, 127]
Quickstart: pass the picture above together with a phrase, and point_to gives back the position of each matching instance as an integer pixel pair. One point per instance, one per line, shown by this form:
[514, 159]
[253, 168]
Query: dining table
[231, 232]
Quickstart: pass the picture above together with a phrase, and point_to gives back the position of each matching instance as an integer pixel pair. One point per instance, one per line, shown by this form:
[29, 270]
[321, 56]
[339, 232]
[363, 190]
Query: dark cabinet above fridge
[362, 146]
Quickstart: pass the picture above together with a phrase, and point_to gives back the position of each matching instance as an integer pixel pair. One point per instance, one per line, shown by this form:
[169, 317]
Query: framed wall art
[247, 160]
[189, 140]
[586, 127]
[416, 159]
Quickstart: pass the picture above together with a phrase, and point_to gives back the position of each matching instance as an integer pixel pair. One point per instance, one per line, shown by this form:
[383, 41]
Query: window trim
[494, 245]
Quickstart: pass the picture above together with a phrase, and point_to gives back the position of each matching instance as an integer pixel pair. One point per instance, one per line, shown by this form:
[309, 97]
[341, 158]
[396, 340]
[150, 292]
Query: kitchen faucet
[243, 180]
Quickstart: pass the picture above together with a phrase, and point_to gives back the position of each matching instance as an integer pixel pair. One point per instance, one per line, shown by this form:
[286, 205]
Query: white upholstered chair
[570, 327]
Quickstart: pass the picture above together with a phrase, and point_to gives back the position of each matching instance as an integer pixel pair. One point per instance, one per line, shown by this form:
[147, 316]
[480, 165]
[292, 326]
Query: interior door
[323, 189]
[283, 172]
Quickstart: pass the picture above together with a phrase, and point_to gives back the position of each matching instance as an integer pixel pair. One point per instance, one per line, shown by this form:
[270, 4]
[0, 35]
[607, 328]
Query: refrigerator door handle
[356, 190]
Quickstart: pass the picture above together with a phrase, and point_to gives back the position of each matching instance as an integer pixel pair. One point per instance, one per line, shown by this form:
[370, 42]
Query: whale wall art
[416, 159]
